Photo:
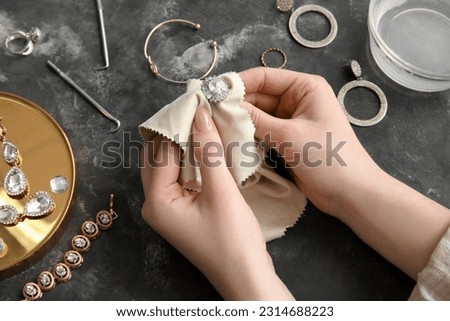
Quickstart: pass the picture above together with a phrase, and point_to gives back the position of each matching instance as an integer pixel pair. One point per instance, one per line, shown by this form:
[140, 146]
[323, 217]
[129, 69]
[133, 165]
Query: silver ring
[356, 68]
[309, 43]
[30, 39]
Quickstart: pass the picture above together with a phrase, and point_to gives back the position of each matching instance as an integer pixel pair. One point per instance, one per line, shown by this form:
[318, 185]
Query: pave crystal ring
[12, 42]
[360, 82]
[215, 89]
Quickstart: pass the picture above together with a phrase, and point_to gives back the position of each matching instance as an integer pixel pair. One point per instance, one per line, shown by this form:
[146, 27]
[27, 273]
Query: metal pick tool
[102, 29]
[102, 110]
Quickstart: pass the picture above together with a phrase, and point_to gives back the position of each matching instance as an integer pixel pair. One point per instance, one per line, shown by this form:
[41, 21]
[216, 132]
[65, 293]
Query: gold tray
[46, 153]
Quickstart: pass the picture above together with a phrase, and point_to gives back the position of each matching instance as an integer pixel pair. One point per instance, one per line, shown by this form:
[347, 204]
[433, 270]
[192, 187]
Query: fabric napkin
[276, 201]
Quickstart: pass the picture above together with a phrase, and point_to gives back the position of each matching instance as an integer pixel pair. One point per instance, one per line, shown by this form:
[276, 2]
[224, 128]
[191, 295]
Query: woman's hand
[299, 116]
[303, 117]
[215, 229]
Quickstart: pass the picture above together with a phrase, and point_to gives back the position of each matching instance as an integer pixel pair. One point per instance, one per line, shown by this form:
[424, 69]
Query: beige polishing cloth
[276, 201]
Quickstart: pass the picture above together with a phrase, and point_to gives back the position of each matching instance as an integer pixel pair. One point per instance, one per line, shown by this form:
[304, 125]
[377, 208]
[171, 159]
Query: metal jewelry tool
[360, 82]
[102, 110]
[102, 30]
[152, 64]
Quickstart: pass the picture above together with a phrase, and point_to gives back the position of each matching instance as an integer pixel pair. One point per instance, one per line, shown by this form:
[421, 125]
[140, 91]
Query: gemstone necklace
[16, 185]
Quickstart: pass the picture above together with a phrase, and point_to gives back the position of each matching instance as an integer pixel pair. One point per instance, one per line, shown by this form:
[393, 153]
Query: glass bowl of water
[410, 41]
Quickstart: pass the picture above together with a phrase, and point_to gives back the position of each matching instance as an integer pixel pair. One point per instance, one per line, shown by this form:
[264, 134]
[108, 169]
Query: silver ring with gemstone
[309, 43]
[356, 69]
[30, 39]
[215, 89]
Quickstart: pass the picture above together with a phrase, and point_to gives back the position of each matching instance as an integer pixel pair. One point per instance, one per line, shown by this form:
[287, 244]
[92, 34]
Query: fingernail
[202, 120]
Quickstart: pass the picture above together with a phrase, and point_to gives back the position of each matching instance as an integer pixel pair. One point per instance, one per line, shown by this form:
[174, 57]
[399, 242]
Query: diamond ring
[215, 89]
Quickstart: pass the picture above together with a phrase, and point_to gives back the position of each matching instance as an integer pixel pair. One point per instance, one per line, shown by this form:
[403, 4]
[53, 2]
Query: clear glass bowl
[410, 41]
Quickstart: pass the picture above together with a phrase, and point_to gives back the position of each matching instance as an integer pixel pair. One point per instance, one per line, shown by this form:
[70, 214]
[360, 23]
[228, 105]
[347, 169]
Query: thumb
[210, 152]
[268, 128]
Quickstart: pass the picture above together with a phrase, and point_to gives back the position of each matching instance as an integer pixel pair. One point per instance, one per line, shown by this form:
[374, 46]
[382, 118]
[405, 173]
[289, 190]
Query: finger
[267, 86]
[266, 102]
[160, 169]
[264, 123]
[145, 170]
[274, 81]
[209, 152]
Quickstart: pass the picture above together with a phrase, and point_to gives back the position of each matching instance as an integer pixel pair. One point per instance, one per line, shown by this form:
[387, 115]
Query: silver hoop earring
[288, 5]
[360, 82]
[309, 43]
[154, 68]
[16, 186]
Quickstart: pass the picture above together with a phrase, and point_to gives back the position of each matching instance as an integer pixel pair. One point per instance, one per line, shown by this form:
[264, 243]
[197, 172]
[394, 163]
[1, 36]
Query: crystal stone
[285, 5]
[89, 228]
[58, 184]
[15, 182]
[80, 242]
[356, 68]
[215, 89]
[8, 214]
[60, 271]
[1, 246]
[72, 258]
[34, 34]
[104, 218]
[39, 204]
[31, 290]
[45, 279]
[10, 152]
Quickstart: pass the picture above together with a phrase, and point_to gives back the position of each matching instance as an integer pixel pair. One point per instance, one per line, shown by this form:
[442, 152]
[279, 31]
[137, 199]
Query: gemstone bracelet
[62, 271]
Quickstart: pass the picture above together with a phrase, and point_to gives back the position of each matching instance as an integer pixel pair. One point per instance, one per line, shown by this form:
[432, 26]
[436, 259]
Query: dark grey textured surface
[319, 258]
